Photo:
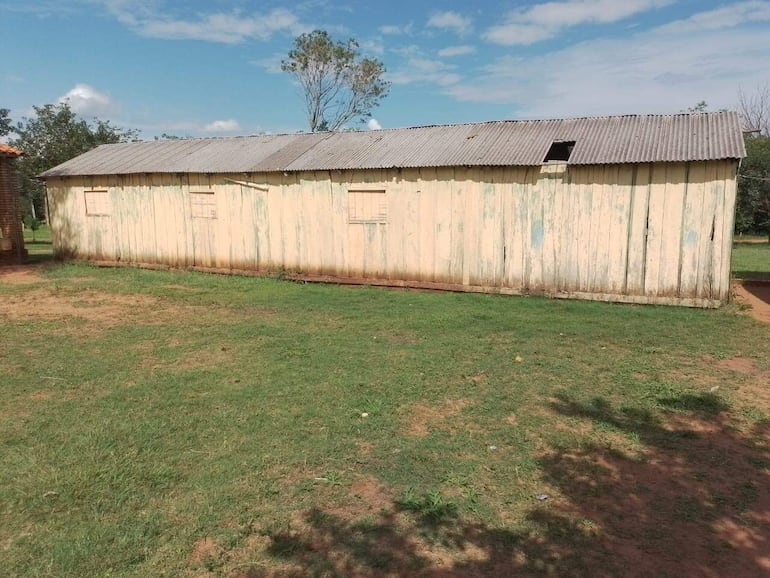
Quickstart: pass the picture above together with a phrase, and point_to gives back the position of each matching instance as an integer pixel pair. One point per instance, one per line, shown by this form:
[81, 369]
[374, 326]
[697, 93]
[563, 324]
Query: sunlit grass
[164, 408]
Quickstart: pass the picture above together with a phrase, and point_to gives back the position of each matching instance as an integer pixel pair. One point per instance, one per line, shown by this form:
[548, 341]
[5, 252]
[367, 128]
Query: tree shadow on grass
[695, 502]
[399, 544]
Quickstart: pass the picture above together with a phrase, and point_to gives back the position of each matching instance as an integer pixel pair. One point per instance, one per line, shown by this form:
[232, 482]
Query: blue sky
[195, 68]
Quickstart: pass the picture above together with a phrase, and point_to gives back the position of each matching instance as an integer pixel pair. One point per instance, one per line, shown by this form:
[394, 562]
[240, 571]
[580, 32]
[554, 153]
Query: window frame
[378, 218]
[103, 203]
[210, 197]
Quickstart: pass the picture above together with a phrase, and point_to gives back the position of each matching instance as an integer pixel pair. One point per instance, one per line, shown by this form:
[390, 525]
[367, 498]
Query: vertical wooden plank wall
[645, 233]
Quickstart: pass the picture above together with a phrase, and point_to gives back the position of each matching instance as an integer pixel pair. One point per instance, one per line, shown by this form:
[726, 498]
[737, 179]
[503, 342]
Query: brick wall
[10, 214]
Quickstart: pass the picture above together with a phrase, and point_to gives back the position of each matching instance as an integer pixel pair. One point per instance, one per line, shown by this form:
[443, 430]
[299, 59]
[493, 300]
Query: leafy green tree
[338, 84]
[33, 225]
[6, 127]
[55, 135]
[753, 210]
[702, 106]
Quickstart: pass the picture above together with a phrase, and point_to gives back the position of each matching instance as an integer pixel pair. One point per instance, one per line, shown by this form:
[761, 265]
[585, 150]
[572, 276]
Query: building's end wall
[10, 215]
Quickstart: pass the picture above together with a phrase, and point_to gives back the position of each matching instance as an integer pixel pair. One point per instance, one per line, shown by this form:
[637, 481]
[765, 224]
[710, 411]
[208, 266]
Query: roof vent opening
[560, 151]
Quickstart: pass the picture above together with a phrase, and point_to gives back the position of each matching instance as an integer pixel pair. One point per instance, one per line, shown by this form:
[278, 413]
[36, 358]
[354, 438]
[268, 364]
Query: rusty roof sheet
[598, 140]
[9, 151]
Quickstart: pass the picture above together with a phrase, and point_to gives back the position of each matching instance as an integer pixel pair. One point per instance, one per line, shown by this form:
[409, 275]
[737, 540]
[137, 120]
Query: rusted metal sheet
[598, 141]
[9, 151]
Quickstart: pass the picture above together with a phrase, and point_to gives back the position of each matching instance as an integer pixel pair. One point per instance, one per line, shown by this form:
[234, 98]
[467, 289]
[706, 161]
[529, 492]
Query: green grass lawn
[181, 424]
[38, 244]
[751, 260]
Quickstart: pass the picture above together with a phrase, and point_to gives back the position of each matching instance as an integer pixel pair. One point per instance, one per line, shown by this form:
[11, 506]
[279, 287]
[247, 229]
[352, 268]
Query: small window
[203, 205]
[97, 203]
[560, 151]
[367, 207]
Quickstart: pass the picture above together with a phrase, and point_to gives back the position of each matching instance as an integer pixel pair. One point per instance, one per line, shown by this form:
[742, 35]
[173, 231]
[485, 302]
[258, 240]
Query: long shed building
[629, 208]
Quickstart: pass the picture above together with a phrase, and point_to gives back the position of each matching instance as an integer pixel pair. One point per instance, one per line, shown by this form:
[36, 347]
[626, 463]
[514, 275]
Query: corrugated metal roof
[599, 140]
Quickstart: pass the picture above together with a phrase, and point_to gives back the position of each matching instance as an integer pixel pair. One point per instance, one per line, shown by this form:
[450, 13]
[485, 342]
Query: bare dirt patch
[750, 383]
[20, 275]
[402, 338]
[742, 365]
[756, 296]
[205, 552]
[369, 495]
[423, 418]
[93, 306]
[105, 310]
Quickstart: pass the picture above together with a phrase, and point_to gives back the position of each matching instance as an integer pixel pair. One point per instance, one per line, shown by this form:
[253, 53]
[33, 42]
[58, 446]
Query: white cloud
[451, 51]
[408, 51]
[725, 17]
[542, 21]
[271, 64]
[423, 70]
[85, 100]
[146, 19]
[453, 21]
[229, 125]
[395, 30]
[663, 70]
[373, 46]
[225, 28]
[373, 124]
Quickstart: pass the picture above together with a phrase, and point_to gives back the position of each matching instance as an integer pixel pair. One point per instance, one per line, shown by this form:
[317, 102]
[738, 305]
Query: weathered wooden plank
[726, 172]
[601, 218]
[427, 223]
[676, 175]
[457, 229]
[552, 224]
[522, 236]
[692, 226]
[442, 227]
[655, 216]
[586, 230]
[636, 258]
[536, 231]
[489, 247]
[336, 250]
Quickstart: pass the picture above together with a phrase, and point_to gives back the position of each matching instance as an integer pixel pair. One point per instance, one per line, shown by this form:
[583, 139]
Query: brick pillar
[10, 213]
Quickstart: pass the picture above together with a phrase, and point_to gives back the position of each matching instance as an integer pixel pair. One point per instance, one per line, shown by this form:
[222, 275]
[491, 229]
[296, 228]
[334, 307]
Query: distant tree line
[752, 214]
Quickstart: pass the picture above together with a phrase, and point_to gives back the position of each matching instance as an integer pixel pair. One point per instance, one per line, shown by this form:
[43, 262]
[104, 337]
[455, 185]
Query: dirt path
[755, 294]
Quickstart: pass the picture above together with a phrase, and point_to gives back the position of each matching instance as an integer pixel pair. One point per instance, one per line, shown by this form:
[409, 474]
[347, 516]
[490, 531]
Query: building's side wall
[646, 233]
[10, 216]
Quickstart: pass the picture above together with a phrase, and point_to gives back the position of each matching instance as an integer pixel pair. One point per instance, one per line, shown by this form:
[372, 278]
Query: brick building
[12, 238]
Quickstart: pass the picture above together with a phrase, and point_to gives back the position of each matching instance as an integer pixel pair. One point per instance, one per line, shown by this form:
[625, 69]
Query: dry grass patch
[21, 275]
[424, 418]
[103, 309]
